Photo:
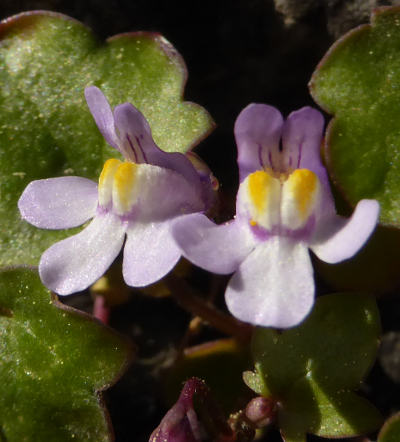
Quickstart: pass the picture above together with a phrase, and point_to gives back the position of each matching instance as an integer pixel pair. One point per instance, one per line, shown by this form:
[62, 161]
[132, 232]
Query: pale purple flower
[132, 206]
[284, 206]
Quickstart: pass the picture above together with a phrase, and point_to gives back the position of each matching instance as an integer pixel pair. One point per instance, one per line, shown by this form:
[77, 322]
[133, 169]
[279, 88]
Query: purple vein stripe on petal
[133, 126]
[141, 148]
[300, 154]
[133, 150]
[302, 138]
[260, 159]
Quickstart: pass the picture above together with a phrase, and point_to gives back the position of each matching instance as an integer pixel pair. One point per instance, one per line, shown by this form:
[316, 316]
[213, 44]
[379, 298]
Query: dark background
[237, 52]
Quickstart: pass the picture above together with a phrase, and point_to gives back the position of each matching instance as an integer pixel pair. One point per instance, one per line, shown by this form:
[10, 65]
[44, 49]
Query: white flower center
[286, 200]
[145, 192]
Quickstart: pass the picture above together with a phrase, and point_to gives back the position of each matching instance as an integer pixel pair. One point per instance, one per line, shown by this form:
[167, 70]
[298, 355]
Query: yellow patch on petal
[303, 184]
[260, 184]
[299, 196]
[263, 193]
[109, 169]
[106, 180]
[123, 187]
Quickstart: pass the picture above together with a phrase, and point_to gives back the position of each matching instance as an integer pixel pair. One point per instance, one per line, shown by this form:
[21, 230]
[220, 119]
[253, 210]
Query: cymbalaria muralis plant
[112, 181]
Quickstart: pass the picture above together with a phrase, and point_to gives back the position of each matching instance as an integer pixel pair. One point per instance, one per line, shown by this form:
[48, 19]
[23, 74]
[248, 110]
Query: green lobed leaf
[390, 432]
[312, 369]
[358, 81]
[53, 363]
[46, 129]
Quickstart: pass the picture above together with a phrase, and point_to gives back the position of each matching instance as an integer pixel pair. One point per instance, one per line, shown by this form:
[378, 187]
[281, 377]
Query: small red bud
[261, 411]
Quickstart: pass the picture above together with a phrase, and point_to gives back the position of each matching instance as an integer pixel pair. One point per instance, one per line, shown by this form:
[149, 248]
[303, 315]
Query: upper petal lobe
[301, 140]
[102, 114]
[257, 130]
[138, 144]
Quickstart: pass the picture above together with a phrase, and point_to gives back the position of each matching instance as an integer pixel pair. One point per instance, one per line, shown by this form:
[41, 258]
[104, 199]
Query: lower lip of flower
[284, 202]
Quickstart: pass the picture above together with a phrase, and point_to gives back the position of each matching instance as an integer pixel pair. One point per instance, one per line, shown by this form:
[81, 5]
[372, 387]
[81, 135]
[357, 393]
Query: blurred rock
[389, 355]
[341, 15]
[293, 10]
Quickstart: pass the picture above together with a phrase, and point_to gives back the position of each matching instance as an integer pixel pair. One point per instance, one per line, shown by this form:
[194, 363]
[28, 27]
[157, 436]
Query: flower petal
[301, 140]
[274, 286]
[208, 181]
[178, 163]
[75, 263]
[149, 254]
[134, 133]
[59, 203]
[341, 238]
[102, 114]
[139, 146]
[218, 249]
[161, 194]
[257, 130]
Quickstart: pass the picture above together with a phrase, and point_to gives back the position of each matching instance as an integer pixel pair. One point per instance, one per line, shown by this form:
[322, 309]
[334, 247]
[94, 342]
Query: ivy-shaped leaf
[390, 432]
[313, 369]
[53, 363]
[358, 81]
[46, 129]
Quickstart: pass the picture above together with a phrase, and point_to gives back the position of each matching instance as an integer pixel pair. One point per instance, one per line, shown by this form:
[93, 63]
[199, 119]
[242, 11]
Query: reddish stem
[100, 309]
[187, 299]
